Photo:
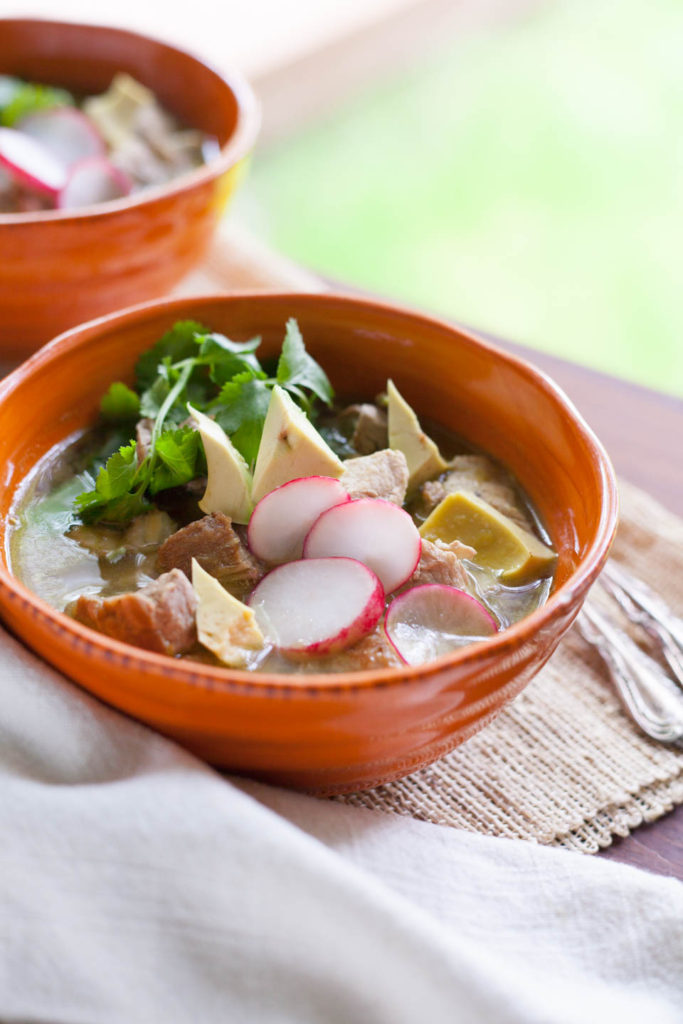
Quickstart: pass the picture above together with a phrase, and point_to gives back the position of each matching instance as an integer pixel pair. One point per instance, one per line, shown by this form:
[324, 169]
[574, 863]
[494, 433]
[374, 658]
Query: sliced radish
[434, 619]
[318, 605]
[376, 532]
[30, 163]
[68, 134]
[94, 180]
[281, 519]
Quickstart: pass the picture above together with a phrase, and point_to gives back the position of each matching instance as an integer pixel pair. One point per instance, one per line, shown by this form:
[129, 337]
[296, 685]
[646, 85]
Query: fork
[650, 695]
[645, 608]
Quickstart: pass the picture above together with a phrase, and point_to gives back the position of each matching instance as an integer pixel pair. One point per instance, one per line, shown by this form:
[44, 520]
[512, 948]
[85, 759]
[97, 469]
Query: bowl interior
[85, 57]
[493, 400]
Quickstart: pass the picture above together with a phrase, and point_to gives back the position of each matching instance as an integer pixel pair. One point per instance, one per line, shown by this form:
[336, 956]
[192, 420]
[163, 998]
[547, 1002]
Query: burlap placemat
[562, 764]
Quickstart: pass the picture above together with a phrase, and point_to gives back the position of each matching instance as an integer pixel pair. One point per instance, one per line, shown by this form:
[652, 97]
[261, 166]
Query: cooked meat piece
[99, 540]
[197, 486]
[7, 190]
[178, 150]
[135, 157]
[479, 475]
[439, 563]
[127, 558]
[143, 438]
[15, 198]
[370, 429]
[458, 548]
[218, 549]
[147, 532]
[381, 475]
[144, 534]
[430, 495]
[373, 651]
[160, 617]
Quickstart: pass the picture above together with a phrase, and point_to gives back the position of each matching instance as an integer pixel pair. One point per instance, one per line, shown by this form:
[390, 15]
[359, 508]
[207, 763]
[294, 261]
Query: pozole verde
[228, 510]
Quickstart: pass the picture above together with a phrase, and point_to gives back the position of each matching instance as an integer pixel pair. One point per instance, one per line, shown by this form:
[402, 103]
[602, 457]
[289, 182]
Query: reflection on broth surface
[245, 527]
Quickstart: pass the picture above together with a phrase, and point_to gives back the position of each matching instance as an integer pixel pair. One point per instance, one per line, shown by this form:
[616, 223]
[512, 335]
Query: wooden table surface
[642, 431]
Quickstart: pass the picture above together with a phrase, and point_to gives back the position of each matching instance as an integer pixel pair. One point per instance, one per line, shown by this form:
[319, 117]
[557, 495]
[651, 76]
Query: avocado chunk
[290, 448]
[224, 625]
[228, 487]
[407, 436]
[500, 544]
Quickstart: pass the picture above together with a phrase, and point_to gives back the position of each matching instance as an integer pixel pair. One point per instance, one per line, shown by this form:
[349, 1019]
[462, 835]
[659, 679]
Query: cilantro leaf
[152, 399]
[120, 403]
[228, 358]
[241, 411]
[213, 373]
[118, 511]
[181, 342]
[181, 382]
[297, 369]
[198, 391]
[117, 475]
[181, 459]
[23, 98]
[116, 498]
[87, 502]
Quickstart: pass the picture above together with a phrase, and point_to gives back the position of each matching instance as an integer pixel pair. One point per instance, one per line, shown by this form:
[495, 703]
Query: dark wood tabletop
[642, 431]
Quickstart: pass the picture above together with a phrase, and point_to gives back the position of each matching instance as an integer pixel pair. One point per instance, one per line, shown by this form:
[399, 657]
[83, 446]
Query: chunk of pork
[159, 617]
[480, 476]
[213, 541]
[380, 475]
[370, 428]
[440, 563]
[372, 652]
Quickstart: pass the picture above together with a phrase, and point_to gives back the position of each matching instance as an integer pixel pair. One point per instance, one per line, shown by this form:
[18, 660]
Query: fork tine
[645, 598]
[648, 610]
[651, 698]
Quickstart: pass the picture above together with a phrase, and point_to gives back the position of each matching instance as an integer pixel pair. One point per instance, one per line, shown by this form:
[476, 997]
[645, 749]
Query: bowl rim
[217, 679]
[235, 148]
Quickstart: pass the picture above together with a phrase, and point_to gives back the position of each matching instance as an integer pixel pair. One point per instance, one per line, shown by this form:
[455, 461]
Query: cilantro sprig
[192, 365]
[19, 98]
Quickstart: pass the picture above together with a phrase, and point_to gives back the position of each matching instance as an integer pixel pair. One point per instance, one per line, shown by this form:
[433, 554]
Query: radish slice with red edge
[94, 180]
[376, 532]
[30, 163]
[68, 134]
[318, 605]
[281, 519]
[434, 619]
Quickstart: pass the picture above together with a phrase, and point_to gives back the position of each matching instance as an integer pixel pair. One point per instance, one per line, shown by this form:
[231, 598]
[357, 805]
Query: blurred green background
[527, 181]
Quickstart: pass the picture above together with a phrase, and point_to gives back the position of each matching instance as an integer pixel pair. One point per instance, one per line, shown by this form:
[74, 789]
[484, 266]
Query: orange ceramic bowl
[59, 268]
[329, 733]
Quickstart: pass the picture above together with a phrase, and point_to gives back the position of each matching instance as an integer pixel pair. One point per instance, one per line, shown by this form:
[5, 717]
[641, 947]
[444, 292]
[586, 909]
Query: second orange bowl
[59, 268]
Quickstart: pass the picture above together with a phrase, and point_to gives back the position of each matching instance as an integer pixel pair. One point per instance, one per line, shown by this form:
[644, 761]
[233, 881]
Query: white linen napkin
[138, 885]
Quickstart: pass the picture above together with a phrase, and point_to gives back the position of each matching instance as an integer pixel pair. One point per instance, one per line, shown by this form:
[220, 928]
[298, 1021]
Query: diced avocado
[228, 487]
[500, 544]
[406, 435]
[224, 625]
[290, 448]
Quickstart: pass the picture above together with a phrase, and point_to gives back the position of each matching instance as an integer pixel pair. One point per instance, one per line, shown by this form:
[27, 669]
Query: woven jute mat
[562, 764]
